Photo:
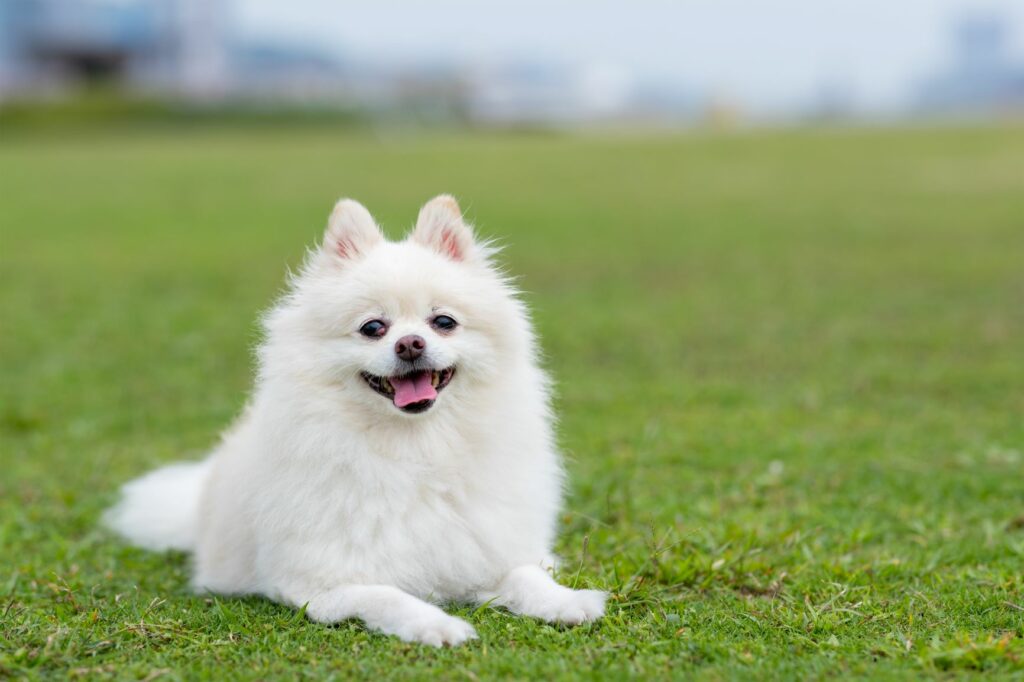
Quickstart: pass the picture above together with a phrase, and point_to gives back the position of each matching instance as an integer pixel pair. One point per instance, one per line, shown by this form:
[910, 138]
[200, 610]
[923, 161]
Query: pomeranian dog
[397, 451]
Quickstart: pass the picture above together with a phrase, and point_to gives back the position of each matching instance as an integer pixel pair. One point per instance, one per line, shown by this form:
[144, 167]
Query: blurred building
[48, 46]
[182, 49]
[981, 76]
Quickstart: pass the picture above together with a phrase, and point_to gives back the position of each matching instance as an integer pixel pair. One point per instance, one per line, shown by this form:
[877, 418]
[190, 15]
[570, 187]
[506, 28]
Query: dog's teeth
[435, 378]
[387, 385]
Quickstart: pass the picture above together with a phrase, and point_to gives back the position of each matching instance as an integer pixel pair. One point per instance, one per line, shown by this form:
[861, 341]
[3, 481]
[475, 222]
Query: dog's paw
[435, 629]
[570, 607]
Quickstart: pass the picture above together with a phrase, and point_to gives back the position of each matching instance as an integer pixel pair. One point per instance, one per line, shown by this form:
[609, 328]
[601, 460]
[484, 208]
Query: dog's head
[399, 327]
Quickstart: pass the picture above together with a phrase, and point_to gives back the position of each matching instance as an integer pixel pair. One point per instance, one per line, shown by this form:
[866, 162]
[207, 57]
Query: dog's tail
[160, 510]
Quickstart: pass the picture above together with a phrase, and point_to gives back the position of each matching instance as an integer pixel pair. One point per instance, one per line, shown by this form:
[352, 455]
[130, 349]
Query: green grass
[790, 371]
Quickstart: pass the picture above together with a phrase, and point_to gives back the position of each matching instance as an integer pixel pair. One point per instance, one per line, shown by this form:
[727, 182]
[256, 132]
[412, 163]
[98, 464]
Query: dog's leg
[531, 591]
[389, 610]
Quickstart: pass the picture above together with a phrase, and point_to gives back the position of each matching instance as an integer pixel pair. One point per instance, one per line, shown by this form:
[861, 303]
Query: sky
[766, 55]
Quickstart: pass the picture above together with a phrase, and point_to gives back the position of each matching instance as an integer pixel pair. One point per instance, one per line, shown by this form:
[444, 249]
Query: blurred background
[526, 63]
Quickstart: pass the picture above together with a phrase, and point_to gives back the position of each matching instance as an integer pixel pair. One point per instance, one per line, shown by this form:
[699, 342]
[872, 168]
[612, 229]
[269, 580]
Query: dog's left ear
[351, 232]
[440, 226]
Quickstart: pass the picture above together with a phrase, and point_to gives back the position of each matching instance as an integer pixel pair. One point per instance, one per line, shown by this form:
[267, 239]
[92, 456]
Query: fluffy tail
[160, 510]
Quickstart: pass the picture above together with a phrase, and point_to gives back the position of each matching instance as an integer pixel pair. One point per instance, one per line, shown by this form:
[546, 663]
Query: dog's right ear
[440, 227]
[351, 231]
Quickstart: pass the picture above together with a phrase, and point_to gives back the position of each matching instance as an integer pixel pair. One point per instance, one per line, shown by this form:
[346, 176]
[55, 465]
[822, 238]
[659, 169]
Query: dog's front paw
[436, 629]
[570, 607]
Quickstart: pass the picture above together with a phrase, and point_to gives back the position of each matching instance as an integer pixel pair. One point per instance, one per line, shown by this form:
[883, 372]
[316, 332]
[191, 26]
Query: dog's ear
[440, 226]
[351, 231]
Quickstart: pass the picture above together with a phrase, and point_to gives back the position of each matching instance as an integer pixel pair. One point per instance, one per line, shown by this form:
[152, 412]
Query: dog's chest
[433, 532]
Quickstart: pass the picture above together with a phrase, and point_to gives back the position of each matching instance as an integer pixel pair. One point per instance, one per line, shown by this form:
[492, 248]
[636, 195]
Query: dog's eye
[374, 329]
[444, 323]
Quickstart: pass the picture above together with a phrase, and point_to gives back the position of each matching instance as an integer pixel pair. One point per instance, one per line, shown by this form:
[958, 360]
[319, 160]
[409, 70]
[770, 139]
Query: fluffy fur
[326, 495]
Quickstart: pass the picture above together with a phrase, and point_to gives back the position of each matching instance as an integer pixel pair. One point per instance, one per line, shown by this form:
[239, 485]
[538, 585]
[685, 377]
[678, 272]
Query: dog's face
[401, 328]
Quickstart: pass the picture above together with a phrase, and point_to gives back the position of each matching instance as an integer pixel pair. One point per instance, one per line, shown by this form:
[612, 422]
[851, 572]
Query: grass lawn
[790, 370]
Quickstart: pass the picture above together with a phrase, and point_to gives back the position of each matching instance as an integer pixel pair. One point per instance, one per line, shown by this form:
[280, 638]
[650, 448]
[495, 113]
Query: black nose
[410, 347]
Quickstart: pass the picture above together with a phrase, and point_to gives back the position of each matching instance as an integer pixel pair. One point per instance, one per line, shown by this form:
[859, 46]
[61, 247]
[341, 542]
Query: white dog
[397, 451]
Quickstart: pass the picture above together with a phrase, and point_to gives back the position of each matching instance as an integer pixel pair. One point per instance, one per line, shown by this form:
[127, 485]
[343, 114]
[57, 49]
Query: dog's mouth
[413, 392]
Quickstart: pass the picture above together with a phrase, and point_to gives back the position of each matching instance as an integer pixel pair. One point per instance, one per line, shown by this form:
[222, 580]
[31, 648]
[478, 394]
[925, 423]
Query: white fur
[160, 510]
[325, 495]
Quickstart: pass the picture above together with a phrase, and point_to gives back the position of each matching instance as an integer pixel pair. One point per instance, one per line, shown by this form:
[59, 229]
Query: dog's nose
[410, 347]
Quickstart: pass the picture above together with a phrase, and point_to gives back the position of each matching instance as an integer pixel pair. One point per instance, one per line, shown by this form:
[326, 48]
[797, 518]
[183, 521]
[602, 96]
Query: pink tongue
[412, 389]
